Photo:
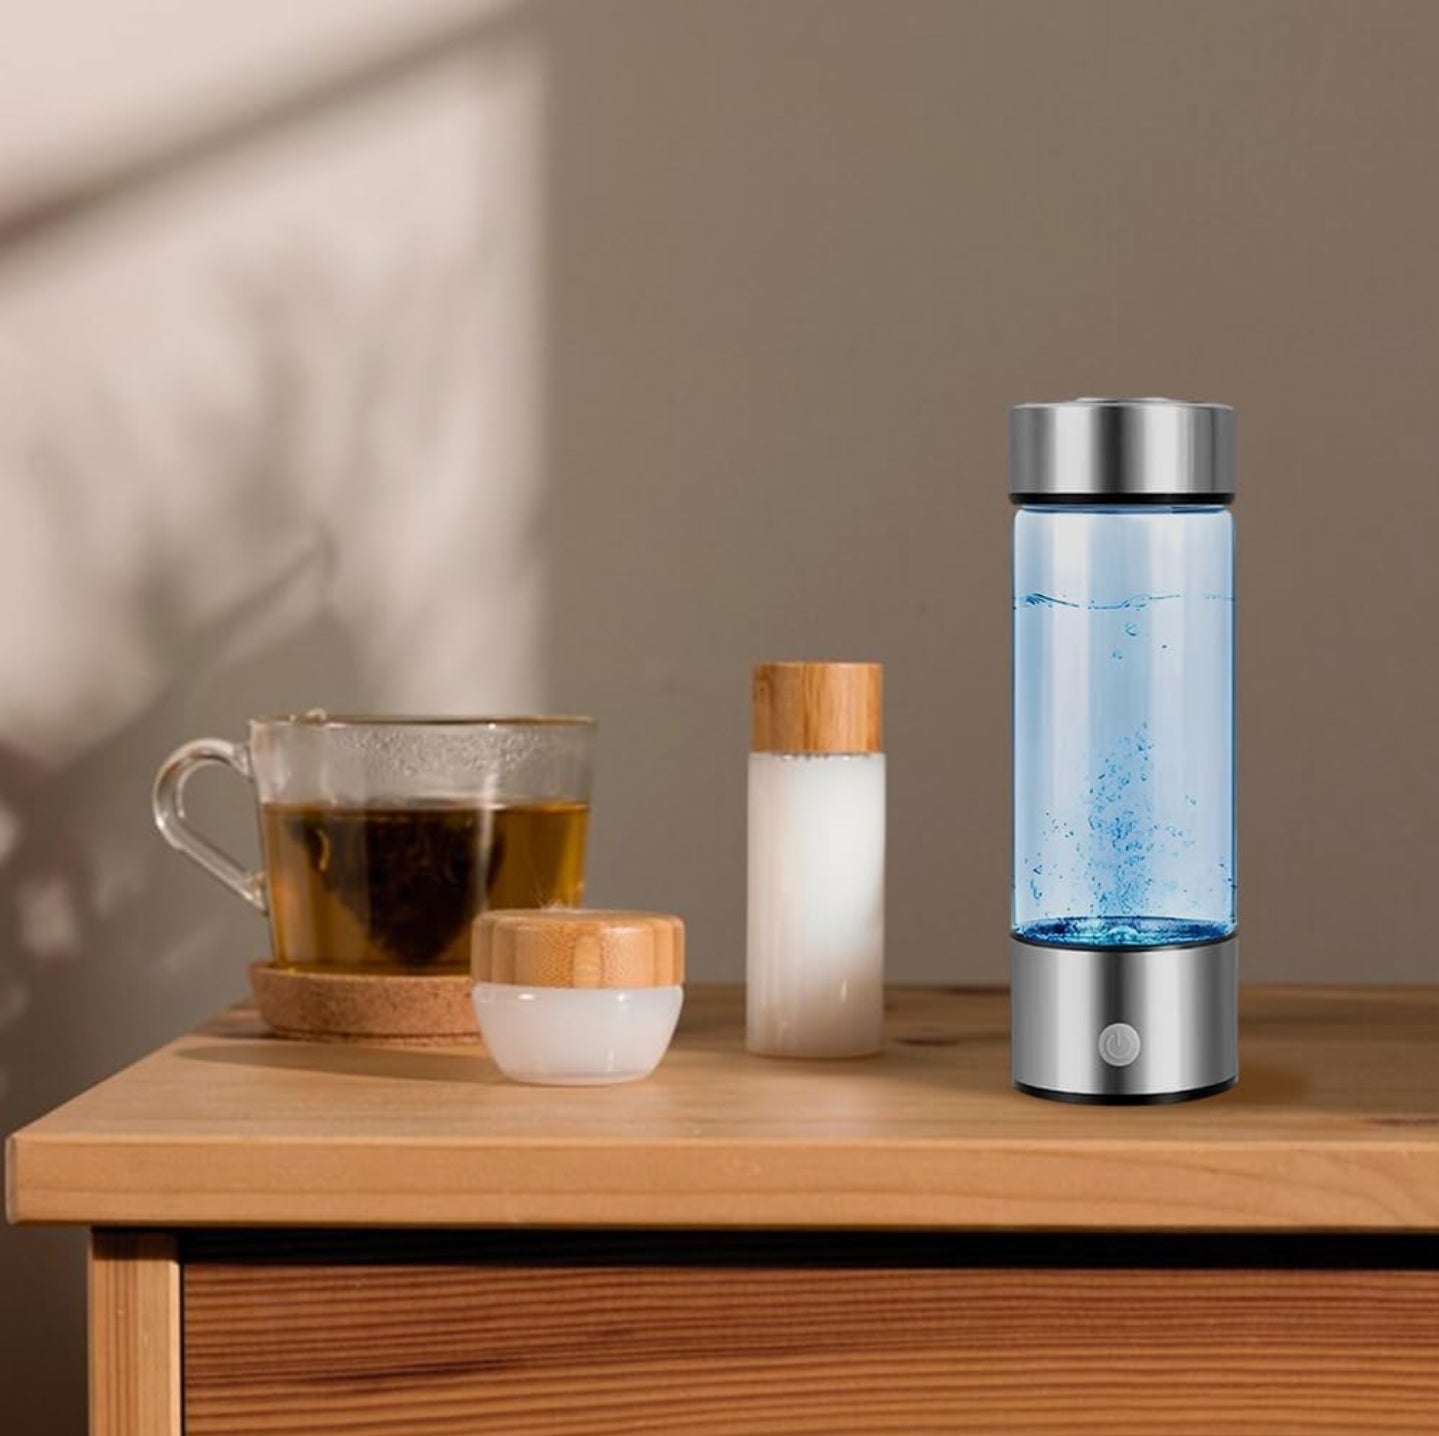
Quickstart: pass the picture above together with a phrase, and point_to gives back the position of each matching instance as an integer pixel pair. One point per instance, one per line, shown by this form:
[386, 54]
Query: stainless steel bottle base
[1157, 1024]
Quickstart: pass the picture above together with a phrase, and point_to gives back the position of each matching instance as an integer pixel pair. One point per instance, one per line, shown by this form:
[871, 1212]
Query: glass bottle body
[1124, 828]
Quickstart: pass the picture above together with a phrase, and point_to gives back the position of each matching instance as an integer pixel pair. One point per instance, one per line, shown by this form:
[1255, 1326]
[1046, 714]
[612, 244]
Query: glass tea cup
[384, 838]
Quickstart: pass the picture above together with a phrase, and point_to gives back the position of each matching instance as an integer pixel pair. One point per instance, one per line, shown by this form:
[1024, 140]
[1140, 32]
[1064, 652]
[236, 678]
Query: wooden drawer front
[389, 1344]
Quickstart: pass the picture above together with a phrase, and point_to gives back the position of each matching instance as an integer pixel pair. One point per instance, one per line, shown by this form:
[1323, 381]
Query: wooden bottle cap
[578, 947]
[817, 708]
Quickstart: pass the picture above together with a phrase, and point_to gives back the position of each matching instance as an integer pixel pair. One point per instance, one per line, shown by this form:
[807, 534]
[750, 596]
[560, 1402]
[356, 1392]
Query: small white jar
[577, 997]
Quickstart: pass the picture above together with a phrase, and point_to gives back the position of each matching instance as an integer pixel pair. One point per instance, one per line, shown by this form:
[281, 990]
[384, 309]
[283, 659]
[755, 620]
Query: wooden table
[293, 1237]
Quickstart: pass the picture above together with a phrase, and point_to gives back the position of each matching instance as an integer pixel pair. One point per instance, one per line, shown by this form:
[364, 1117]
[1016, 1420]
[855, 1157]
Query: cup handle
[168, 802]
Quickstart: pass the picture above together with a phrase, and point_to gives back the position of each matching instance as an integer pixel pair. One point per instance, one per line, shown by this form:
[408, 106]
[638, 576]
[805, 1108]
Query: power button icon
[1119, 1044]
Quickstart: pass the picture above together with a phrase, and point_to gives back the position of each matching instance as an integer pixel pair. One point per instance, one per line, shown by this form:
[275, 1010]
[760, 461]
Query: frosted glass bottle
[1123, 964]
[815, 963]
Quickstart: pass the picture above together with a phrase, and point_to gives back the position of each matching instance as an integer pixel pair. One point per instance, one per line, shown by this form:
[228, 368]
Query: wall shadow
[48, 211]
[110, 944]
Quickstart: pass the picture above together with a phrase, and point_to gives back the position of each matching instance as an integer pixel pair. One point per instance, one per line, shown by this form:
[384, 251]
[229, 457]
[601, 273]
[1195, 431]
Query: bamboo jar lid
[817, 708]
[578, 947]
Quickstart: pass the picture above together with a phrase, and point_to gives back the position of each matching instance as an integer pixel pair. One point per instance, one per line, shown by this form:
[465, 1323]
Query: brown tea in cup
[397, 887]
[384, 838]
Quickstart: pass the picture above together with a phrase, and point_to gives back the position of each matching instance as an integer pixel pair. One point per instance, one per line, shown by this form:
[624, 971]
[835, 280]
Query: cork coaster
[349, 1007]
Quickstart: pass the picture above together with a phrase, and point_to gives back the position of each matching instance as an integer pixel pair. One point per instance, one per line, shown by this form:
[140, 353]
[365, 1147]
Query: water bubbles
[1120, 836]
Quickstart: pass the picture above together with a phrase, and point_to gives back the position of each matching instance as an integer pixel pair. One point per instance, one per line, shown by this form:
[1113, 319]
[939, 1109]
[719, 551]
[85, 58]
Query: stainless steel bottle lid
[1122, 451]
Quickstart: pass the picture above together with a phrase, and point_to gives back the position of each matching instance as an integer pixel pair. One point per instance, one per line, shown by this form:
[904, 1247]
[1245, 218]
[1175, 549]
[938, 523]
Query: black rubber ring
[1120, 501]
[1125, 1099]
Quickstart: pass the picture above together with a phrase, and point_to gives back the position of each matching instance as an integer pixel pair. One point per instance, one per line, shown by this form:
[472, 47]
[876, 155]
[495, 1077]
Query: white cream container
[576, 997]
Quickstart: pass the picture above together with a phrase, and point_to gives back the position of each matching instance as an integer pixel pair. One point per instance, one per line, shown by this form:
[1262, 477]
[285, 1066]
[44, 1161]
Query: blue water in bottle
[1124, 832]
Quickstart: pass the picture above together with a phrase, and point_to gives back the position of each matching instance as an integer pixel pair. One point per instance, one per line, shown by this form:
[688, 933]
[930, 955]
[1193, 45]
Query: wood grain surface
[817, 708]
[134, 1335]
[1334, 1126]
[383, 1346]
[589, 947]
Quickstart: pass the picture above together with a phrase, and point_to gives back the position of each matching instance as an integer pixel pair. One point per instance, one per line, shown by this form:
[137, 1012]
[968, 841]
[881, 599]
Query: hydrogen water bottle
[1123, 958]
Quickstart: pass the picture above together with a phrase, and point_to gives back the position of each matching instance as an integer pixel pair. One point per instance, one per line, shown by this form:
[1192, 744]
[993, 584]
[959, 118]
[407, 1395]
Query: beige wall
[473, 356]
